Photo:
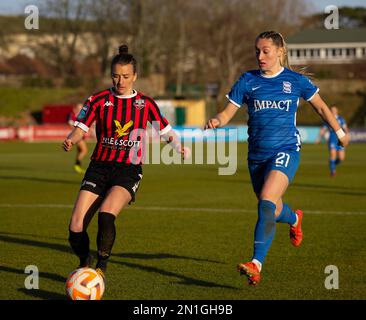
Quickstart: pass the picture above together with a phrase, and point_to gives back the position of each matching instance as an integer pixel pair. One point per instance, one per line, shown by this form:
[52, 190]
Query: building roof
[328, 36]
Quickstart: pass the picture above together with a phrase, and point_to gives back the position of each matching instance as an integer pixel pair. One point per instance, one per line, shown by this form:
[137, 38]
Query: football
[84, 284]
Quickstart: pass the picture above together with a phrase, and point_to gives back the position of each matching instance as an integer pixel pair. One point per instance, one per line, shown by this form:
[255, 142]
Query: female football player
[81, 146]
[272, 95]
[114, 173]
[337, 153]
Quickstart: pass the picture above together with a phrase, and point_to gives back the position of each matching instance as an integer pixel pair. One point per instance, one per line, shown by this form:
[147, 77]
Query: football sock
[105, 238]
[287, 215]
[338, 161]
[264, 229]
[79, 242]
[78, 162]
[332, 165]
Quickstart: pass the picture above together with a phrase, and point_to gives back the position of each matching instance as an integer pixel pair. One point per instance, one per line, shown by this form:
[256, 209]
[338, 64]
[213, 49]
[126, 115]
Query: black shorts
[101, 176]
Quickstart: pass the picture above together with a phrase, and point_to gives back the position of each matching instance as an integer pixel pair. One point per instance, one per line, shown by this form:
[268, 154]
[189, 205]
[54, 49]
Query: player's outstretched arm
[222, 118]
[323, 110]
[172, 138]
[74, 137]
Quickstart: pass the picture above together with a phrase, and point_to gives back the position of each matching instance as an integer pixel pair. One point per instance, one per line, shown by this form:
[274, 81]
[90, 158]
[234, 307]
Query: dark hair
[123, 58]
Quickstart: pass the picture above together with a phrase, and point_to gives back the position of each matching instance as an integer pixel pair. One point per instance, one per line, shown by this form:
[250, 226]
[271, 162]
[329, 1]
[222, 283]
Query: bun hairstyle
[124, 58]
[123, 49]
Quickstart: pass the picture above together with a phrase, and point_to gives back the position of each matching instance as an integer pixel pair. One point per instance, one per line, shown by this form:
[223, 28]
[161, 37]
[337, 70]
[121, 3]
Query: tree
[349, 17]
[65, 29]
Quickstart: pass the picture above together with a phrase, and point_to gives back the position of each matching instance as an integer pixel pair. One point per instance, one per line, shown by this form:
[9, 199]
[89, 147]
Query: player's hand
[186, 153]
[344, 141]
[212, 124]
[67, 145]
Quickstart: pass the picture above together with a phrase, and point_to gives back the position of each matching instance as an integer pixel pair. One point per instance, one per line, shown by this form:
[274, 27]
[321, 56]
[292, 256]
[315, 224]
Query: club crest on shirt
[139, 103]
[286, 87]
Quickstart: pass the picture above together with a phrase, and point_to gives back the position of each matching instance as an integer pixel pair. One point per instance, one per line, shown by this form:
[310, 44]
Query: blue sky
[17, 6]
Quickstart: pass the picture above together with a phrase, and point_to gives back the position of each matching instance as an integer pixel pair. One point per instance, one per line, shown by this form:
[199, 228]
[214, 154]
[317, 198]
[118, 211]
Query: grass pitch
[187, 230]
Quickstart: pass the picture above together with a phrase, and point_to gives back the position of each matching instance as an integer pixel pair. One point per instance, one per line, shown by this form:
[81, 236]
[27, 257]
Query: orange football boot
[251, 271]
[296, 232]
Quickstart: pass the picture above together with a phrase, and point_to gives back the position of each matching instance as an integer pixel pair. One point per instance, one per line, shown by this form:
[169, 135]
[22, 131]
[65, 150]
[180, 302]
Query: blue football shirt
[272, 105]
[332, 135]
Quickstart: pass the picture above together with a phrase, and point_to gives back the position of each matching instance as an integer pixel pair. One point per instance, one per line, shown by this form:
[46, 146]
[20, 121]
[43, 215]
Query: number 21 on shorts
[282, 159]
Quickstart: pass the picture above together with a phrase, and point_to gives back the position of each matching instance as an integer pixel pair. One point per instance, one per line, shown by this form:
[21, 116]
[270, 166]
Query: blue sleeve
[343, 122]
[239, 92]
[308, 89]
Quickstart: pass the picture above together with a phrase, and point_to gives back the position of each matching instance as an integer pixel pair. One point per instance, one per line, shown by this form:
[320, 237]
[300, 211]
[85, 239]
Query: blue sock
[264, 229]
[286, 215]
[337, 162]
[332, 165]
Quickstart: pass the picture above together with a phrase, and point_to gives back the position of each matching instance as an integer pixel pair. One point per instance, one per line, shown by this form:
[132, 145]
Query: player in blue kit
[337, 153]
[272, 95]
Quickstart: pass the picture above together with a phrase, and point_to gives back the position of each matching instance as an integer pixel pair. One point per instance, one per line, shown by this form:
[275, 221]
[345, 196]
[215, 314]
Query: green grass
[32, 99]
[170, 245]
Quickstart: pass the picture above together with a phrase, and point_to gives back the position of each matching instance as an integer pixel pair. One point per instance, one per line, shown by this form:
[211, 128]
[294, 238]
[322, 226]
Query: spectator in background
[337, 153]
[81, 146]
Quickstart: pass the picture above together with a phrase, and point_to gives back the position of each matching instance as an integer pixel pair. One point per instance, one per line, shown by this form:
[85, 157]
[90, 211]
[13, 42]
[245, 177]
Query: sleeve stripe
[233, 102]
[81, 125]
[166, 129]
[317, 90]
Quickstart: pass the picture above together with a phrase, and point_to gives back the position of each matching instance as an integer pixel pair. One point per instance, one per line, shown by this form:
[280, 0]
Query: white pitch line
[216, 210]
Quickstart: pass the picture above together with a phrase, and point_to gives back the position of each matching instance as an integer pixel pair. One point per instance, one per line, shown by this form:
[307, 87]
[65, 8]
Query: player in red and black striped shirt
[113, 176]
[81, 146]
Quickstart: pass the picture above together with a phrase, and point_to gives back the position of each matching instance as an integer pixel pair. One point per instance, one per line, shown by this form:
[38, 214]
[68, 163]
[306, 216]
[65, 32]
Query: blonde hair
[279, 42]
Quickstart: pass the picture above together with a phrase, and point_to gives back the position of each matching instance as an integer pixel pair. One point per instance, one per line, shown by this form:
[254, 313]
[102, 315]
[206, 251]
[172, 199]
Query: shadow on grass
[184, 279]
[35, 243]
[329, 189]
[63, 248]
[43, 294]
[38, 293]
[44, 275]
[37, 179]
[151, 256]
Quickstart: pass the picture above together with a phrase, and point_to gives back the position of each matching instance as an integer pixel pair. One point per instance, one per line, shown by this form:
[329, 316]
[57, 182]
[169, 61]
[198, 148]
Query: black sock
[79, 242]
[105, 238]
[78, 162]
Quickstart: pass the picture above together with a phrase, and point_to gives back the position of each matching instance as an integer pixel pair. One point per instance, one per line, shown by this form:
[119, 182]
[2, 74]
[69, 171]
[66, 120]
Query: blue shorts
[332, 144]
[286, 161]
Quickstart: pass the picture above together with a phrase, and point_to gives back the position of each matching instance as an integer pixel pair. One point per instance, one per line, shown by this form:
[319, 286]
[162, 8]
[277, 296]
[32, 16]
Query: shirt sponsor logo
[113, 142]
[283, 105]
[286, 87]
[122, 131]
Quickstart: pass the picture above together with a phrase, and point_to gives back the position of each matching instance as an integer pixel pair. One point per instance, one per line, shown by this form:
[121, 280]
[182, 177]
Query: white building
[327, 46]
